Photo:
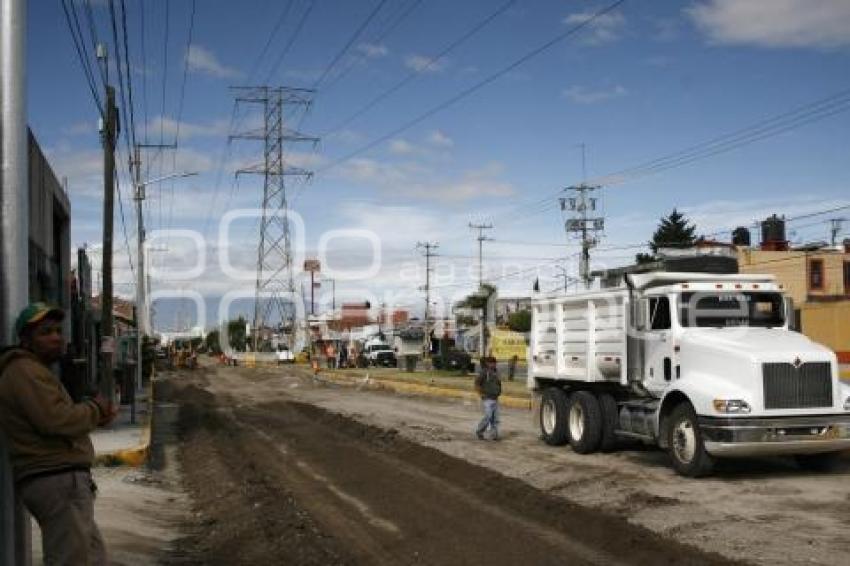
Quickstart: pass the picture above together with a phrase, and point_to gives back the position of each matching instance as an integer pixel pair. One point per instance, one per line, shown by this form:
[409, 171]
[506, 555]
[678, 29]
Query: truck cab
[703, 365]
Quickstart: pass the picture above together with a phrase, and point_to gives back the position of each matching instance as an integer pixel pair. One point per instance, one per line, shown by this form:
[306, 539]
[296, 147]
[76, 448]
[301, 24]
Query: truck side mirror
[791, 315]
[640, 314]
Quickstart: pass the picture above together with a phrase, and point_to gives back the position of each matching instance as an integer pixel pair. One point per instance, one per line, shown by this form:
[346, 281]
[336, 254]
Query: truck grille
[787, 387]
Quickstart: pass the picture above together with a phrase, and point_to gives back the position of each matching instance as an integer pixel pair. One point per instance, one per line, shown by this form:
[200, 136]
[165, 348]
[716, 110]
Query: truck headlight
[731, 406]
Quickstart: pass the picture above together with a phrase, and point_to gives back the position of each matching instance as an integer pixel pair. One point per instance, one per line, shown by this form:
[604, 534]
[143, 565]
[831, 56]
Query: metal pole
[14, 242]
[140, 276]
[107, 384]
[14, 270]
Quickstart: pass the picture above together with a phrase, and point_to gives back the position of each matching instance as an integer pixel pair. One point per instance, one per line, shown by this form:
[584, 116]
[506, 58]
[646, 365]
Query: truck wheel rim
[684, 441]
[549, 417]
[576, 421]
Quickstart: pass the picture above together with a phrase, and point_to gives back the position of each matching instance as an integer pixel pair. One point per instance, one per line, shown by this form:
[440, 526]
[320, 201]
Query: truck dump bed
[579, 337]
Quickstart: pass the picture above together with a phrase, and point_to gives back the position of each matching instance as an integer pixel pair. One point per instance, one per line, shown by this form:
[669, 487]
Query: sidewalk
[123, 443]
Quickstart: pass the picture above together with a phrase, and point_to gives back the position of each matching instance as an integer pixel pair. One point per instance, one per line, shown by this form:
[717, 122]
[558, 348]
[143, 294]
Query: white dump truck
[703, 365]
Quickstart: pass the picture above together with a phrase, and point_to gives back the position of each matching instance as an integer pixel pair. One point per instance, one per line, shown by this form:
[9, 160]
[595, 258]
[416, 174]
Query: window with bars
[816, 275]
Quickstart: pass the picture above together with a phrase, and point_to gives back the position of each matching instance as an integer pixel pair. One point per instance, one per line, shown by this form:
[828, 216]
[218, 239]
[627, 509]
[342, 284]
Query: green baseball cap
[36, 312]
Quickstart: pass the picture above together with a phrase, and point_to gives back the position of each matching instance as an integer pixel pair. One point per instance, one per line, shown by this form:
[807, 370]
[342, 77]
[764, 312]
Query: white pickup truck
[703, 365]
[284, 355]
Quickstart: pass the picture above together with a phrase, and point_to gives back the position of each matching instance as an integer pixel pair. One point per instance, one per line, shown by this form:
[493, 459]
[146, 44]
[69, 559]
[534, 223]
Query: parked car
[284, 355]
[380, 354]
[456, 360]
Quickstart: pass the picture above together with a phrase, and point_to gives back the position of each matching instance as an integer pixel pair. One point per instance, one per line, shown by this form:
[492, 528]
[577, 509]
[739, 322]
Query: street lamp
[141, 299]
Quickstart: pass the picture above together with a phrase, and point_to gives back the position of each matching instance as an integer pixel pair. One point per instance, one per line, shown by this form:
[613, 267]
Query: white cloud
[606, 28]
[779, 23]
[372, 50]
[81, 128]
[414, 180]
[584, 95]
[439, 139]
[202, 60]
[423, 64]
[216, 128]
[401, 147]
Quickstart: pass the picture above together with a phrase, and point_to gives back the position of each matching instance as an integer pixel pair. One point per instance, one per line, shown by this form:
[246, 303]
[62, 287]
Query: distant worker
[512, 367]
[331, 355]
[489, 387]
[48, 437]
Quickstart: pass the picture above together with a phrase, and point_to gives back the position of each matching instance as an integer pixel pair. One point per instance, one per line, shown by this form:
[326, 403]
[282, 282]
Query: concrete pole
[107, 383]
[141, 299]
[14, 239]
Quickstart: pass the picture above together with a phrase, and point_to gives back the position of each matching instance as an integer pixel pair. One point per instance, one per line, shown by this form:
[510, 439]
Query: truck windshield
[720, 310]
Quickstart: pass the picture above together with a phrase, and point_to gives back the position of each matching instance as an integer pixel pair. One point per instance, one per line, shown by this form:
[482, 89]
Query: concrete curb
[133, 457]
[420, 389]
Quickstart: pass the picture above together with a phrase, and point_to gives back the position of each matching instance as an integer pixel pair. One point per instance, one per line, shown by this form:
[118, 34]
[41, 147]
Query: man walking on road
[489, 387]
[49, 444]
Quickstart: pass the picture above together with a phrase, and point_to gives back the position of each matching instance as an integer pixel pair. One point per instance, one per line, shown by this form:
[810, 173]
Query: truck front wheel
[686, 446]
[585, 422]
[553, 417]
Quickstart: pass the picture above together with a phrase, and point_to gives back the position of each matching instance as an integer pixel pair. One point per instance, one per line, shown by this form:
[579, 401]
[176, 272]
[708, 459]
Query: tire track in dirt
[361, 494]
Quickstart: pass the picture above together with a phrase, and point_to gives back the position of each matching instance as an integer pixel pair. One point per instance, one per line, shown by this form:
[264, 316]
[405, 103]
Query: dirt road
[282, 481]
[280, 467]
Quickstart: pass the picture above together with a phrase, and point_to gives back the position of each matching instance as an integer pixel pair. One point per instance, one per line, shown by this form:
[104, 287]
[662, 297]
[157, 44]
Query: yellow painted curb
[133, 457]
[427, 390]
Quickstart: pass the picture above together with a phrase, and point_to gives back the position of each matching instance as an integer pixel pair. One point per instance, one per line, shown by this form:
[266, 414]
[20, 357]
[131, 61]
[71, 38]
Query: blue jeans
[491, 417]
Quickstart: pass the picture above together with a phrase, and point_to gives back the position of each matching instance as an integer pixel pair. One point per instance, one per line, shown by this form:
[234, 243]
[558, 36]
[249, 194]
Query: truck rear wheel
[686, 446]
[610, 421]
[585, 422]
[553, 417]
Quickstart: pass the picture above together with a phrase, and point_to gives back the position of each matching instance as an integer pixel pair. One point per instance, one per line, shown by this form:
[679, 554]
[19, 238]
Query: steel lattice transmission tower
[275, 292]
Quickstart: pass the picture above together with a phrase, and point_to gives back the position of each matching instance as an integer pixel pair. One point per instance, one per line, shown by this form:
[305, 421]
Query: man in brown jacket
[48, 438]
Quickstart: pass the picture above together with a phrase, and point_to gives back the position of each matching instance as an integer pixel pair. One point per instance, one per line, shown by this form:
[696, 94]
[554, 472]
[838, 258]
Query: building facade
[818, 281]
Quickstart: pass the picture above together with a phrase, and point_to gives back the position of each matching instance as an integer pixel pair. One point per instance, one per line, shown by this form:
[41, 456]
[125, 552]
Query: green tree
[213, 341]
[520, 321]
[236, 332]
[478, 299]
[674, 231]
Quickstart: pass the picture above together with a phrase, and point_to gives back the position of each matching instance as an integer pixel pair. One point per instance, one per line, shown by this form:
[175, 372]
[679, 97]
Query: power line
[185, 73]
[291, 41]
[350, 42]
[92, 33]
[775, 125]
[763, 129]
[475, 87]
[129, 73]
[392, 23]
[281, 19]
[144, 70]
[84, 62]
[415, 74]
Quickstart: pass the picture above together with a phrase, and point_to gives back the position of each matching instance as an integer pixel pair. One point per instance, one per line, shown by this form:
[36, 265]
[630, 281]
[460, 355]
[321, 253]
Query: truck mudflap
[755, 436]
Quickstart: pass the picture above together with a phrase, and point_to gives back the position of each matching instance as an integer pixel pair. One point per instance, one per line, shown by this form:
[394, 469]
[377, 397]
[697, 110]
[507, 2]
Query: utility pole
[428, 253]
[481, 239]
[15, 539]
[110, 133]
[142, 317]
[583, 224]
[562, 272]
[836, 224]
[275, 285]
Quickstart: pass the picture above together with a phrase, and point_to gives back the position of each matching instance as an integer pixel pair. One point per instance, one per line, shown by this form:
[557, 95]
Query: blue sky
[640, 82]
